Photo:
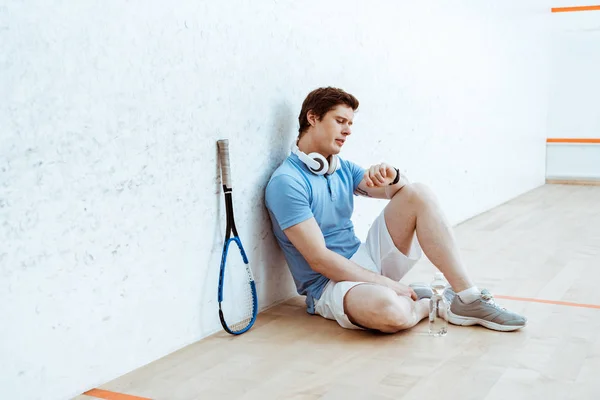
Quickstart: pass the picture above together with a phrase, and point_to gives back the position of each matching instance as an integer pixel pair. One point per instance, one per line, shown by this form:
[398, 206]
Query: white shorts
[378, 254]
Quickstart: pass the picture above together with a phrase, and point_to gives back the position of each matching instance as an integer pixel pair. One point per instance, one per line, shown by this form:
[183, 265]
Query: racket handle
[224, 157]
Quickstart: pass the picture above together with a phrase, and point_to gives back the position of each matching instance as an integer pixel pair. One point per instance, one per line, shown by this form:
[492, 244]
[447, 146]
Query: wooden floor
[544, 245]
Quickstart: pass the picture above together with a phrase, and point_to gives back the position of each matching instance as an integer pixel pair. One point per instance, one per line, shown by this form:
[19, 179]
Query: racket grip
[224, 157]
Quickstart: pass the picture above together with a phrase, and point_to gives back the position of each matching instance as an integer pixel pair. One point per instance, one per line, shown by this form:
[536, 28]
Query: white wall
[573, 161]
[111, 216]
[574, 103]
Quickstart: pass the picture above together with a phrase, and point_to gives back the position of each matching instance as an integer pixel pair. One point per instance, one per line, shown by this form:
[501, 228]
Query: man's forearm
[339, 268]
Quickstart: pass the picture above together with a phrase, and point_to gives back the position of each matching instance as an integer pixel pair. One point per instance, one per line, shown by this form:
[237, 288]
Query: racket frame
[229, 230]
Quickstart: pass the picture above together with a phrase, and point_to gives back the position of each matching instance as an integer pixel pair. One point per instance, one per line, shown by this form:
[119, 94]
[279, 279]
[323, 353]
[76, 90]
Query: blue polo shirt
[294, 194]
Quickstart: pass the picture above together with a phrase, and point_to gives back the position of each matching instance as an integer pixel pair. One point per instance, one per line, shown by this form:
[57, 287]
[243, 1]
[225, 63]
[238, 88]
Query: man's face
[331, 131]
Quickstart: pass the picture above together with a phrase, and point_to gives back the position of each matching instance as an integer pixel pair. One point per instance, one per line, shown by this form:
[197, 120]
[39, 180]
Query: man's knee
[388, 315]
[396, 316]
[377, 307]
[419, 193]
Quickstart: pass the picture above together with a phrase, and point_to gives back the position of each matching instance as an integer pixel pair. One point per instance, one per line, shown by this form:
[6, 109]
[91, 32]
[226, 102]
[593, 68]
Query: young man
[310, 202]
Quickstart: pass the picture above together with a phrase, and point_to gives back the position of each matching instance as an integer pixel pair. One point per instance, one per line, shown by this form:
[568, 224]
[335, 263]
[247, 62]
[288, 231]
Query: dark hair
[322, 100]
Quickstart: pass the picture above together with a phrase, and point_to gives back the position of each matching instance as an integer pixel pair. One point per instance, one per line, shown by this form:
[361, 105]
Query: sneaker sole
[468, 321]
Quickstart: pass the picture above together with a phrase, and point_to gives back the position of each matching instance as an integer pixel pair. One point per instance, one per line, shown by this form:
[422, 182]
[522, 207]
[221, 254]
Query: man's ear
[311, 117]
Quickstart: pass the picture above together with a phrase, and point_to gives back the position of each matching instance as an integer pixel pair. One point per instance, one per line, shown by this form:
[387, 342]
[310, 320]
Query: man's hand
[379, 175]
[376, 182]
[309, 241]
[402, 290]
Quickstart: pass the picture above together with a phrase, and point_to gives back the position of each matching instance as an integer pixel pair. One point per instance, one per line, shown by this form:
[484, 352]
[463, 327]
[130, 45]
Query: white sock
[469, 295]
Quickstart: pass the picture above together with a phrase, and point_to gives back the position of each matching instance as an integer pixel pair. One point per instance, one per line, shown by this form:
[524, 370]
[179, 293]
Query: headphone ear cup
[334, 165]
[323, 164]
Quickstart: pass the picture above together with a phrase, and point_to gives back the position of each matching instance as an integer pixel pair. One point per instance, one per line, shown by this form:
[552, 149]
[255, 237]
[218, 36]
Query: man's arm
[376, 182]
[308, 239]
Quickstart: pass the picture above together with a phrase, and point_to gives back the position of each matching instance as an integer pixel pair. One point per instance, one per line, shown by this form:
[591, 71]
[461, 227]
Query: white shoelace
[489, 298]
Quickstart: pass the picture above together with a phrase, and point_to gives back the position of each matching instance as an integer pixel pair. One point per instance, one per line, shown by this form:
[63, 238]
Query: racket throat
[230, 217]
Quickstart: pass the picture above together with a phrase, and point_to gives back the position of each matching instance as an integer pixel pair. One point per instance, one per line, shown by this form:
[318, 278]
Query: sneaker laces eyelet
[489, 298]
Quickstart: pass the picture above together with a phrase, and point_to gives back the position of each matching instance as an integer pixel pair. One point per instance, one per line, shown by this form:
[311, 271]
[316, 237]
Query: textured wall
[111, 215]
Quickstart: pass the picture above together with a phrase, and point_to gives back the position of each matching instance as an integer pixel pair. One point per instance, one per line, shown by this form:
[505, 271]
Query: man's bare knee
[379, 308]
[417, 193]
[396, 316]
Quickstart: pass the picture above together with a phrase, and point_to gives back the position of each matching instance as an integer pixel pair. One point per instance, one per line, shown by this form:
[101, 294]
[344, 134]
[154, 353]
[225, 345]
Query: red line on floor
[108, 395]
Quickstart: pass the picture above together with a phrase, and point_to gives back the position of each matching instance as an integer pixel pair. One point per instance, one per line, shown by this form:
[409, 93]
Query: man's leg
[415, 207]
[377, 307]
[356, 305]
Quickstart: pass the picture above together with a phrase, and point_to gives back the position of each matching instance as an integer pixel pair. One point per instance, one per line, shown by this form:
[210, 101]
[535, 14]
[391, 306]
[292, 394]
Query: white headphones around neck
[318, 164]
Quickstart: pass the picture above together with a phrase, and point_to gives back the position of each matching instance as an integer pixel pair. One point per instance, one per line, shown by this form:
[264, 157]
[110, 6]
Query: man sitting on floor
[310, 201]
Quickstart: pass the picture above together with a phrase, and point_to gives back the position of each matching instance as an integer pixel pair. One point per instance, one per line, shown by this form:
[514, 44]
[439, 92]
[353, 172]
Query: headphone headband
[312, 164]
[316, 162]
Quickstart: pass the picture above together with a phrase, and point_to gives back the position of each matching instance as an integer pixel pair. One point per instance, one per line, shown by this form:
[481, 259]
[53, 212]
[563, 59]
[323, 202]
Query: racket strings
[245, 309]
[238, 300]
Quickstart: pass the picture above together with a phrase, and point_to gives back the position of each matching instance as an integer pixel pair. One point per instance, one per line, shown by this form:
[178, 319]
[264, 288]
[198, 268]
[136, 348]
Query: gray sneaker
[424, 291]
[484, 311]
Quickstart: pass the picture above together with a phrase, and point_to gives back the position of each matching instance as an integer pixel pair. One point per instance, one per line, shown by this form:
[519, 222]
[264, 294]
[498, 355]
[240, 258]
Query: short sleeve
[288, 201]
[357, 172]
